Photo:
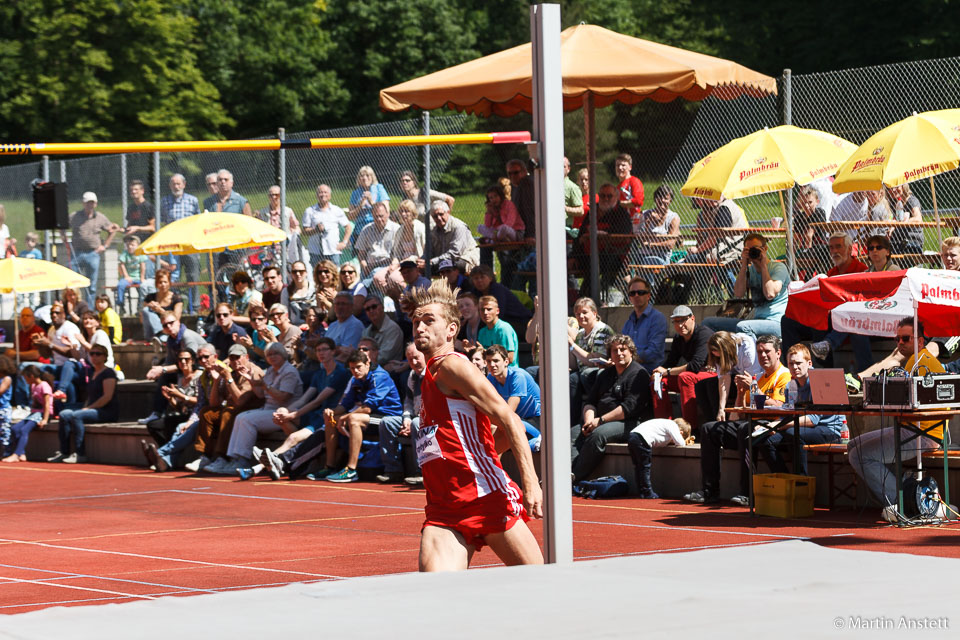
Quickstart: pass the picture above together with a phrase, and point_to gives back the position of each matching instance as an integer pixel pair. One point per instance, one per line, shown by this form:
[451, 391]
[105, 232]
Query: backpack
[605, 487]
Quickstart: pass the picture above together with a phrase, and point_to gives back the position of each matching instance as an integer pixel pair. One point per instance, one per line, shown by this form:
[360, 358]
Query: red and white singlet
[457, 455]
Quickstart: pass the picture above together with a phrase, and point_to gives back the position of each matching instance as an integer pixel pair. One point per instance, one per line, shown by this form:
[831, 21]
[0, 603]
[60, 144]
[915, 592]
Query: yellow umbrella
[208, 232]
[765, 161]
[22, 275]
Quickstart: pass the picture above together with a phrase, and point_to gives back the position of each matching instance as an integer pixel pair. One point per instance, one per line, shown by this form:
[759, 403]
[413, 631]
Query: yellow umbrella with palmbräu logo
[208, 232]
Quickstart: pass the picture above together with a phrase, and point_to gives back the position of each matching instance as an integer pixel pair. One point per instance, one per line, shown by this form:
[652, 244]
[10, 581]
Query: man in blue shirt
[518, 388]
[646, 326]
[346, 330]
[227, 201]
[762, 281]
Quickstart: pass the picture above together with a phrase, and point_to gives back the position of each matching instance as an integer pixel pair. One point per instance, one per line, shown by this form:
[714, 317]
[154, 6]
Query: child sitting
[658, 432]
[109, 319]
[32, 252]
[132, 268]
[41, 409]
[501, 222]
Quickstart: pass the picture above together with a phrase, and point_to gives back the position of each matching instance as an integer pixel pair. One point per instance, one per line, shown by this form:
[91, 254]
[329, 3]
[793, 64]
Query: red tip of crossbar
[511, 137]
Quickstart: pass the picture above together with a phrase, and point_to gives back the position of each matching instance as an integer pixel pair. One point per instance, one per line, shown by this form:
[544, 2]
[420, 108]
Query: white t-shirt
[101, 338]
[849, 210]
[828, 199]
[65, 336]
[660, 432]
[747, 355]
[332, 218]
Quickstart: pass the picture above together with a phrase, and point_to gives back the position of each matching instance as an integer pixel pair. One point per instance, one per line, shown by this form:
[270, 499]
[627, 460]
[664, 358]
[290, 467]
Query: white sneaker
[197, 464]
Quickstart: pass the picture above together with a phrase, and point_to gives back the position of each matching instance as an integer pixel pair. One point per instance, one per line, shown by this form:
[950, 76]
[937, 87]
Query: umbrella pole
[16, 329]
[916, 367]
[213, 282]
[791, 262]
[936, 212]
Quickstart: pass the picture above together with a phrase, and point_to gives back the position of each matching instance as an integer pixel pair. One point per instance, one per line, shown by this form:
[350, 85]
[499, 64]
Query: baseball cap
[409, 262]
[236, 350]
[446, 263]
[681, 311]
[89, 196]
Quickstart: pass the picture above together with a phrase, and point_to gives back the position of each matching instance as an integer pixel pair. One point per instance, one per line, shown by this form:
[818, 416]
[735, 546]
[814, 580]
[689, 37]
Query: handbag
[739, 308]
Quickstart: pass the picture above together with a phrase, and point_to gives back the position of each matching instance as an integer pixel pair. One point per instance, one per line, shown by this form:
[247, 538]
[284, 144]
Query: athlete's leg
[443, 549]
[516, 545]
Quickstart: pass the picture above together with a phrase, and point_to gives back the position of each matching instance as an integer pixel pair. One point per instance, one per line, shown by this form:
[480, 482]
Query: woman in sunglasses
[879, 251]
[326, 278]
[350, 282]
[299, 291]
[181, 398]
[101, 406]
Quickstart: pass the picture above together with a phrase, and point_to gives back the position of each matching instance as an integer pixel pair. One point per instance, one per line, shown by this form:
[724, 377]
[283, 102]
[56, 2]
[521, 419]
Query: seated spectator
[647, 436]
[369, 397]
[225, 332]
[350, 282]
[300, 293]
[450, 239]
[950, 253]
[374, 247]
[646, 326]
[321, 224]
[61, 339]
[243, 296]
[392, 428]
[659, 229]
[501, 222]
[412, 191]
[814, 429]
[413, 279]
[109, 319]
[101, 406]
[346, 330]
[261, 334]
[7, 372]
[382, 330]
[288, 334]
[713, 247]
[326, 277]
[304, 415]
[879, 250]
[178, 339]
[131, 268]
[368, 193]
[810, 242]
[476, 358]
[728, 355]
[454, 277]
[227, 391]
[409, 240]
[873, 454]
[73, 306]
[470, 324]
[484, 284]
[588, 350]
[27, 345]
[612, 407]
[518, 389]
[156, 304]
[91, 334]
[314, 323]
[181, 396]
[274, 291]
[906, 208]
[850, 208]
[878, 209]
[689, 345]
[764, 282]
[279, 386]
[732, 433]
[41, 409]
[611, 218]
[496, 331]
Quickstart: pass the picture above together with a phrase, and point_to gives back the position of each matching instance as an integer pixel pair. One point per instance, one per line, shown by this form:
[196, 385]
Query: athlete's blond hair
[440, 293]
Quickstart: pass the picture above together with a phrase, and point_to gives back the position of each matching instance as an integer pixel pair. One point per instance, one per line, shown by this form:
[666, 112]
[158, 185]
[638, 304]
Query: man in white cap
[87, 225]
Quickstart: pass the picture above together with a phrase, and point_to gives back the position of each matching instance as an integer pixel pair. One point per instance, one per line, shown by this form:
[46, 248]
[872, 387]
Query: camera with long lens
[754, 253]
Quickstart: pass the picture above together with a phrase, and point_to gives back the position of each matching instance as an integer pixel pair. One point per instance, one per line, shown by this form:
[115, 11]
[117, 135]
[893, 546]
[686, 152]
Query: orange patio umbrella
[599, 67]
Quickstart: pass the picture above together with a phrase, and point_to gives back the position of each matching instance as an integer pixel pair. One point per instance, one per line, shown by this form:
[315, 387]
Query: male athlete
[470, 499]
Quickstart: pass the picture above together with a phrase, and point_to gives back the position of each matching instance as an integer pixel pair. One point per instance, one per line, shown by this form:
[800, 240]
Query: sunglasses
[904, 339]
[223, 315]
[184, 359]
[371, 307]
[99, 353]
[876, 247]
[204, 356]
[639, 292]
[345, 272]
[276, 313]
[169, 323]
[327, 271]
[260, 319]
[298, 271]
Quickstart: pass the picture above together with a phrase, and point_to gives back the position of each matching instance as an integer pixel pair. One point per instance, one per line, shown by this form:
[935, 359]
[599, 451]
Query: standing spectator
[178, 205]
[289, 332]
[728, 355]
[631, 188]
[346, 330]
[689, 344]
[496, 331]
[178, 339]
[87, 225]
[322, 223]
[392, 428]
[274, 291]
[572, 198]
[32, 252]
[646, 326]
[382, 330]
[659, 228]
[906, 208]
[211, 181]
[588, 349]
[227, 201]
[367, 193]
[271, 214]
[6, 246]
[131, 268]
[522, 195]
[41, 409]
[141, 218]
[158, 303]
[501, 222]
[484, 284]
[225, 331]
[409, 240]
[412, 191]
[351, 283]
[811, 243]
[612, 407]
[300, 292]
[583, 181]
[374, 247]
[450, 239]
[101, 406]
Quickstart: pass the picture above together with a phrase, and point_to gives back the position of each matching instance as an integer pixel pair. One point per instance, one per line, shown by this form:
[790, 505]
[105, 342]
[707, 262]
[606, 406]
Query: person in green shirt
[496, 331]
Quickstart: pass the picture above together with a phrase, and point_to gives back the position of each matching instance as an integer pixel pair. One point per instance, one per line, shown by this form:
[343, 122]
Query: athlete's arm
[456, 376]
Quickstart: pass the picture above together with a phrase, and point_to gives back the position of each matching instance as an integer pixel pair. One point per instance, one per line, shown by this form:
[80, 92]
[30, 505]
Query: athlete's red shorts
[493, 513]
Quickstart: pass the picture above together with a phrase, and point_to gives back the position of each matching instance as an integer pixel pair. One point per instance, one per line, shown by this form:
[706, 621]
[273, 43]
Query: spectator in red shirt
[28, 329]
[840, 246]
[631, 189]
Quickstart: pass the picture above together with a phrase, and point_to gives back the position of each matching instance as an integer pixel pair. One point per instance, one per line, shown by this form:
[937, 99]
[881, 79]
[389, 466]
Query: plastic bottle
[901, 212]
[754, 390]
[844, 431]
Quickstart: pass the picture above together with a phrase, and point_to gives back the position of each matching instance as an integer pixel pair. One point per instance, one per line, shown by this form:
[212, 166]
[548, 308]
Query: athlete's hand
[533, 501]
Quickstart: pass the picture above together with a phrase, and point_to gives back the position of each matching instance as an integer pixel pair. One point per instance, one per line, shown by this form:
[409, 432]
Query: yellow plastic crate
[784, 495]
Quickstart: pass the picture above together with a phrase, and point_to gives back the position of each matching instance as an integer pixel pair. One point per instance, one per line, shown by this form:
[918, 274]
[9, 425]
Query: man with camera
[764, 283]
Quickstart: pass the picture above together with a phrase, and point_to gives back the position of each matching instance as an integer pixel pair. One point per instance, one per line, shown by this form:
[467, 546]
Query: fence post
[590, 128]
[427, 248]
[282, 182]
[156, 187]
[47, 236]
[786, 90]
[123, 190]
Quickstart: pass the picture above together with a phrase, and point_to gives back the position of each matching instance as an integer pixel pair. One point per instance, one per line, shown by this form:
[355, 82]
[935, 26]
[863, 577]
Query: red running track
[93, 534]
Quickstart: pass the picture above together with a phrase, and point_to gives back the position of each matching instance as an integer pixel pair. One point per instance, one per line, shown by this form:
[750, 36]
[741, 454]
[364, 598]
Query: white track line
[70, 586]
[168, 559]
[694, 529]
[69, 575]
[341, 504]
[104, 495]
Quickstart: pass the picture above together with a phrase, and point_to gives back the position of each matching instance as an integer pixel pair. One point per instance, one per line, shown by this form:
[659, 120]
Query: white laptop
[828, 388]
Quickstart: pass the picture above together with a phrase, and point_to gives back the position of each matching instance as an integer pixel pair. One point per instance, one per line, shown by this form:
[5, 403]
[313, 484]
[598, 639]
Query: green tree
[102, 70]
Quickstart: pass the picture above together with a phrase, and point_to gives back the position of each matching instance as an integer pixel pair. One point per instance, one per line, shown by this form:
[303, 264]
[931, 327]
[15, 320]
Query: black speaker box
[50, 206]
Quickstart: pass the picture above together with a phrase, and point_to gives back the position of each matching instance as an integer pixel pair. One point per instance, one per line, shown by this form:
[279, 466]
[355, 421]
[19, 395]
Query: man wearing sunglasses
[289, 332]
[646, 326]
[178, 339]
[225, 332]
[382, 330]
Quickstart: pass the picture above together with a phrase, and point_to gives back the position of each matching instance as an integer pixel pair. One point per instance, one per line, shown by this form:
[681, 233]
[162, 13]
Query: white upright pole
[551, 281]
